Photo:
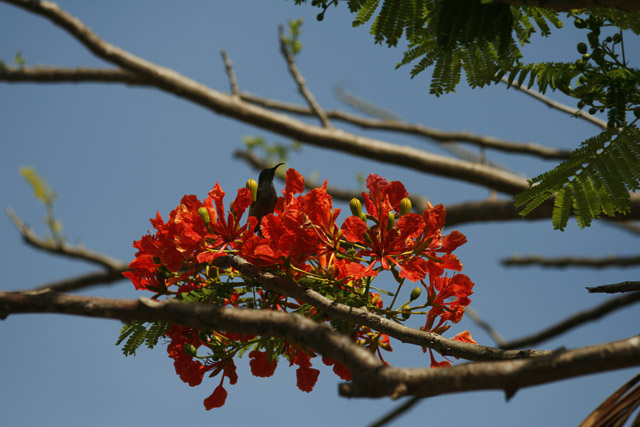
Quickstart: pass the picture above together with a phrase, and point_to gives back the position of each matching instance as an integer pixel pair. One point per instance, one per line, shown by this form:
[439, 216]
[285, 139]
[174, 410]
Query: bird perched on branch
[265, 198]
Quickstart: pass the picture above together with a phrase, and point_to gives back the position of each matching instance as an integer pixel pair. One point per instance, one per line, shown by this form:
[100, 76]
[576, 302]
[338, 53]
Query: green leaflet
[595, 180]
[137, 333]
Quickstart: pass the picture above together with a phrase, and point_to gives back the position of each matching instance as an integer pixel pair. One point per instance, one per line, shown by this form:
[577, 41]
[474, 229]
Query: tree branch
[615, 288]
[417, 129]
[572, 261]
[81, 74]
[41, 74]
[370, 377]
[299, 329]
[233, 83]
[558, 105]
[403, 333]
[566, 5]
[76, 252]
[509, 376]
[302, 86]
[228, 105]
[574, 320]
[83, 281]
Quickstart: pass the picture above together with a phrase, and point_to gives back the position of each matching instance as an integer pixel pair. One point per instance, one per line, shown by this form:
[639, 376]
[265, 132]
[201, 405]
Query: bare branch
[396, 412]
[615, 288]
[64, 249]
[360, 315]
[84, 281]
[370, 377]
[302, 86]
[574, 320]
[558, 105]
[494, 334]
[230, 73]
[228, 105]
[417, 129]
[42, 74]
[199, 316]
[566, 5]
[503, 210]
[507, 375]
[572, 261]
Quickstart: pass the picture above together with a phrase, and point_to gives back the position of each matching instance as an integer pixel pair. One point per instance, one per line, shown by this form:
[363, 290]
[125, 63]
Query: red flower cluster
[301, 240]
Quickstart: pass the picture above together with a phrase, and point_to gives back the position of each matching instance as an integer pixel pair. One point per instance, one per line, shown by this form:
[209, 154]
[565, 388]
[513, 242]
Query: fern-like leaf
[595, 180]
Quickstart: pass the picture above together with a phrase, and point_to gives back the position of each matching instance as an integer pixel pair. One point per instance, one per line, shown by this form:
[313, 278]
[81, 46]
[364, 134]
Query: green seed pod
[204, 214]
[391, 220]
[356, 207]
[405, 206]
[191, 350]
[582, 48]
[253, 186]
[415, 293]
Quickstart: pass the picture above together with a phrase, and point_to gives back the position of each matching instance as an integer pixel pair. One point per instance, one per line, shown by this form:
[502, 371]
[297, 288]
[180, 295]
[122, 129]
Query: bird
[266, 195]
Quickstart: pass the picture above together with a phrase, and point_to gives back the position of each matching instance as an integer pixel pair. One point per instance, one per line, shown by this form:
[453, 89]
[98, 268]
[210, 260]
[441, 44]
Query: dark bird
[266, 195]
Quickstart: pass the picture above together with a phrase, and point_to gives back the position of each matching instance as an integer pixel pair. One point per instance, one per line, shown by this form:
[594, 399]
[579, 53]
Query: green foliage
[137, 333]
[595, 180]
[292, 41]
[43, 192]
[482, 38]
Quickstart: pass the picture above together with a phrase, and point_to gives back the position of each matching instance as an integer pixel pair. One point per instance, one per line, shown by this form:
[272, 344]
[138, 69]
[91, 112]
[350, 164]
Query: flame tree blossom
[300, 240]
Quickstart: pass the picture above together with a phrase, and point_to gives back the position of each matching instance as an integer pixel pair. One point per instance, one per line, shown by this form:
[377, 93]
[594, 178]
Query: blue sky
[117, 154]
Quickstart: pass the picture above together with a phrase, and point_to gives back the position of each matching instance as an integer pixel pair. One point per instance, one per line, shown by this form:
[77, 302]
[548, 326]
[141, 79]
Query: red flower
[260, 364]
[307, 378]
[465, 336]
[217, 398]
[340, 370]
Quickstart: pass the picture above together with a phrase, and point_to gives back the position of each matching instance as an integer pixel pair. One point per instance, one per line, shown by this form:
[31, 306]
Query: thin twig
[615, 288]
[386, 116]
[84, 281]
[64, 249]
[302, 86]
[396, 412]
[558, 105]
[417, 129]
[495, 335]
[228, 65]
[572, 261]
[574, 320]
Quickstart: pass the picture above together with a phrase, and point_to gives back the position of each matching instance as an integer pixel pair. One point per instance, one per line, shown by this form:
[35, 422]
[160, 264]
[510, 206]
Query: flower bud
[442, 329]
[405, 206]
[356, 207]
[415, 293]
[191, 350]
[391, 221]
[253, 186]
[204, 214]
[405, 312]
[203, 336]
